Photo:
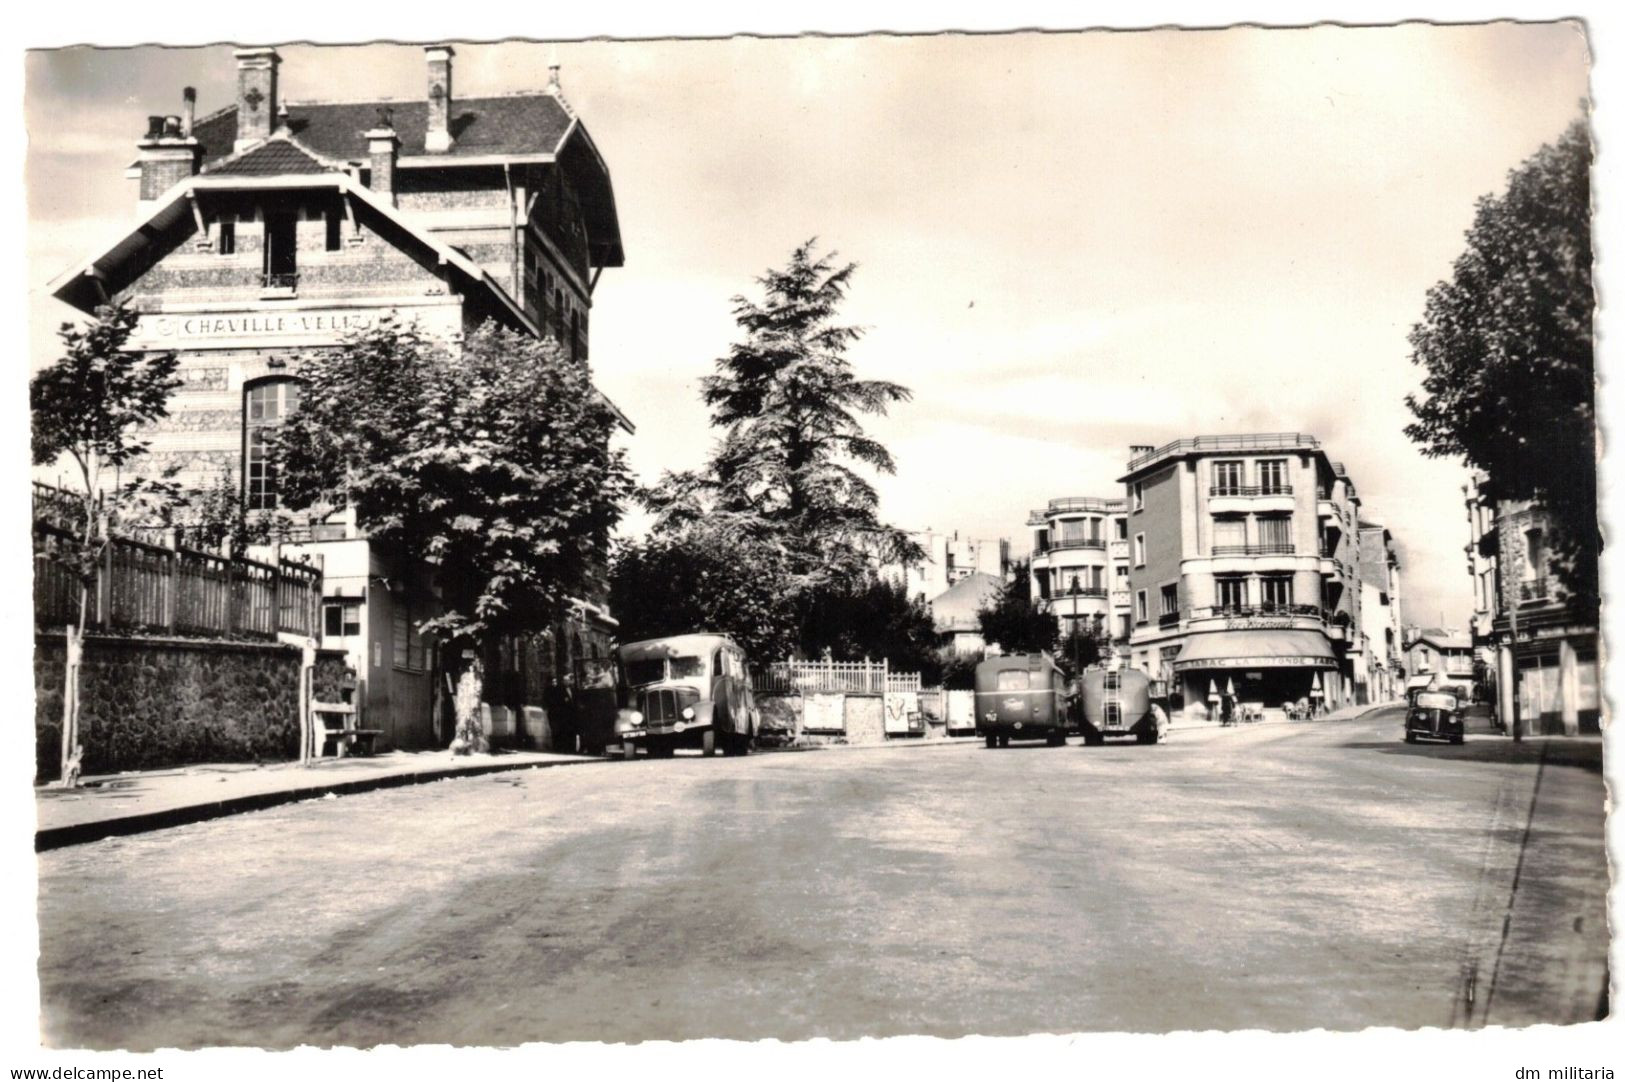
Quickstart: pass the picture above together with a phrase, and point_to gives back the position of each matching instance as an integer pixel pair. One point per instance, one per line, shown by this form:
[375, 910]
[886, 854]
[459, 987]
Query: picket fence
[851, 677]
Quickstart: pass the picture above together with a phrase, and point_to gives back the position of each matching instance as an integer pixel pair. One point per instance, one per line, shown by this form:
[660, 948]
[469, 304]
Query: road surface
[1282, 877]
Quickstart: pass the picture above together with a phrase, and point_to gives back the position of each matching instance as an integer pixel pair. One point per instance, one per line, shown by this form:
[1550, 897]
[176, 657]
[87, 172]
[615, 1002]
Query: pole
[1510, 558]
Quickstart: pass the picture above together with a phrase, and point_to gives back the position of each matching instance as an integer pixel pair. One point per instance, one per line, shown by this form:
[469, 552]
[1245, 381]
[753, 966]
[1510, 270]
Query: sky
[1067, 242]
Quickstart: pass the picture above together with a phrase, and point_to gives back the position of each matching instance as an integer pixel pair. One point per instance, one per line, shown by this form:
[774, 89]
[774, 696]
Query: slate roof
[517, 124]
[957, 606]
[1446, 639]
[271, 159]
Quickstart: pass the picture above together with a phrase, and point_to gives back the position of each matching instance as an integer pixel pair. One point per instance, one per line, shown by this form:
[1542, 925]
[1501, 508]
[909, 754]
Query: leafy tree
[871, 617]
[789, 405]
[91, 405]
[1079, 649]
[704, 578]
[1507, 345]
[1014, 621]
[216, 518]
[492, 462]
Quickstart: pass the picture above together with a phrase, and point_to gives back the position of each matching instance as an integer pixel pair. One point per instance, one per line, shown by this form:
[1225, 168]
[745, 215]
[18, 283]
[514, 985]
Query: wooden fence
[178, 591]
[852, 677]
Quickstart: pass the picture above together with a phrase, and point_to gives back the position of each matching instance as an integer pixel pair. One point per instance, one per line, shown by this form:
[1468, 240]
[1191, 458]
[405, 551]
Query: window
[1276, 590]
[1094, 530]
[1013, 680]
[1128, 627]
[1227, 478]
[1122, 529]
[341, 617]
[1137, 495]
[227, 230]
[281, 250]
[1139, 550]
[406, 642]
[1072, 530]
[1141, 609]
[1041, 577]
[335, 230]
[1170, 599]
[265, 405]
[1229, 534]
[1275, 534]
[1230, 591]
[1122, 575]
[1272, 477]
[1041, 541]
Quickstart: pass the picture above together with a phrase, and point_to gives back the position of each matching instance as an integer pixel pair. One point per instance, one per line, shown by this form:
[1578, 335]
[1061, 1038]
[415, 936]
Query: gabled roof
[523, 124]
[522, 128]
[274, 157]
[1445, 639]
[957, 606]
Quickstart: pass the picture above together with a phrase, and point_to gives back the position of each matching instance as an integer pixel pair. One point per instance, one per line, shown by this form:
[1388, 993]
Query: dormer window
[226, 236]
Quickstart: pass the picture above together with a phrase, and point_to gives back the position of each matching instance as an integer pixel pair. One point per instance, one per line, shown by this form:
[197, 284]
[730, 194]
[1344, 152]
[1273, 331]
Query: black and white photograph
[905, 529]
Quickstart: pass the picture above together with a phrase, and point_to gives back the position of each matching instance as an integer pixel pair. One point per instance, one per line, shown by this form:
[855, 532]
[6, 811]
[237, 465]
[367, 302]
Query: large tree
[1015, 621]
[790, 408]
[1507, 347]
[92, 406]
[492, 461]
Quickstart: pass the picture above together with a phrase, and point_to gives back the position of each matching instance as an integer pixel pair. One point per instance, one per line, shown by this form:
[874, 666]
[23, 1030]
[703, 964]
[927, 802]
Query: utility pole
[1510, 558]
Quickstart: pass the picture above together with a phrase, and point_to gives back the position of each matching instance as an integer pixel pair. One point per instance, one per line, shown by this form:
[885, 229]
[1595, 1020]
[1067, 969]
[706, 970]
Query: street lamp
[1072, 630]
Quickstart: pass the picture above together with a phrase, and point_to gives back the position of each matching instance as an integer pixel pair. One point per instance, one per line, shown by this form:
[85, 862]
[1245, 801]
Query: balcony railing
[1079, 543]
[1267, 608]
[1259, 441]
[284, 282]
[1086, 503]
[1168, 619]
[1544, 588]
[1269, 548]
[1081, 592]
[1249, 490]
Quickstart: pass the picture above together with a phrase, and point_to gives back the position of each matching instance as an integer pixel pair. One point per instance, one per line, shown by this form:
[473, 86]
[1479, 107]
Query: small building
[1381, 617]
[269, 228]
[1444, 652]
[955, 611]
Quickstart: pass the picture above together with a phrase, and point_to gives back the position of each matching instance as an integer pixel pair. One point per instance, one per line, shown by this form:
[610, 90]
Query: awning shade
[1263, 649]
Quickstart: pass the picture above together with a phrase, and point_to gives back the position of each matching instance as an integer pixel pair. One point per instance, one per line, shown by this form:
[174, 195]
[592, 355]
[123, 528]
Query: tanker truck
[1118, 702]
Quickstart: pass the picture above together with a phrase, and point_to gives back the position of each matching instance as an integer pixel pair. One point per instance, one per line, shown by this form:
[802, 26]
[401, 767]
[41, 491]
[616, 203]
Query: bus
[685, 691]
[1020, 696]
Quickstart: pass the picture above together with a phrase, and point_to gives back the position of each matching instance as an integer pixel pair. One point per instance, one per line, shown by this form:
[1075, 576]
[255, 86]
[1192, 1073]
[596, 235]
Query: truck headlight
[688, 713]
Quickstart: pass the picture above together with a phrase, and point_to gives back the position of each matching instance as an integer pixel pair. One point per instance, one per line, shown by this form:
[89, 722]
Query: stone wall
[864, 717]
[150, 703]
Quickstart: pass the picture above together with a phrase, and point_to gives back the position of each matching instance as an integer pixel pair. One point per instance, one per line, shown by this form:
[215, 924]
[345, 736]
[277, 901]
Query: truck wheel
[1410, 737]
[629, 751]
[708, 743]
[1004, 741]
[1057, 740]
[992, 741]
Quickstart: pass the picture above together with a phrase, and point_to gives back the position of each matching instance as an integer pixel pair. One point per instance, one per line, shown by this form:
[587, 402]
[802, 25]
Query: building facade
[949, 559]
[1080, 567]
[1542, 644]
[1244, 566]
[1444, 653]
[1381, 617]
[269, 229]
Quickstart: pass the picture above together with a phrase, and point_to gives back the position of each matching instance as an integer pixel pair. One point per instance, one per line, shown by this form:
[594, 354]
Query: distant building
[1381, 616]
[1244, 570]
[1080, 566]
[1443, 652]
[1553, 651]
[950, 558]
[955, 611]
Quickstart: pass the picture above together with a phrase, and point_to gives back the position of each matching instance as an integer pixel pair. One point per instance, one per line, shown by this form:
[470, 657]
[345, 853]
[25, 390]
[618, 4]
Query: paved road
[1276, 876]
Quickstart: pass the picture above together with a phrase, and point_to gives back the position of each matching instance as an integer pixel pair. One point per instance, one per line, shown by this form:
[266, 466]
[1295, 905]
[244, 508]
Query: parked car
[685, 691]
[1022, 697]
[1434, 715]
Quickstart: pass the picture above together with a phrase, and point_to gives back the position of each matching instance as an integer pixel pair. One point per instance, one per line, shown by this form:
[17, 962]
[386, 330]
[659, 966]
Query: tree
[871, 617]
[491, 462]
[1507, 346]
[1014, 620]
[91, 406]
[704, 578]
[216, 518]
[789, 405]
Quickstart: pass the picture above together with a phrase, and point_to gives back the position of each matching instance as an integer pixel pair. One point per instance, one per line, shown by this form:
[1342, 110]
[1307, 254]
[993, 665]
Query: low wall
[837, 719]
[150, 703]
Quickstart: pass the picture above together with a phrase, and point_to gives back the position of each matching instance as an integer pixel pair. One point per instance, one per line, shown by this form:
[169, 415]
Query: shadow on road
[1577, 753]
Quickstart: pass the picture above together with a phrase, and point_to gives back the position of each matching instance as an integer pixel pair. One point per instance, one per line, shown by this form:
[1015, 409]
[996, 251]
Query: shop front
[1259, 670]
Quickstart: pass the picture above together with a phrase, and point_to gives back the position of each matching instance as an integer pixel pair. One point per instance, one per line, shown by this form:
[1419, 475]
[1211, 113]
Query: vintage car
[685, 691]
[1434, 715]
[1118, 702]
[1021, 696]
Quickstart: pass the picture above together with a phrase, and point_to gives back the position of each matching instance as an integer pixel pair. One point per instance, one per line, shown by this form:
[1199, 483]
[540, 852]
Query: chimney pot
[188, 110]
[155, 127]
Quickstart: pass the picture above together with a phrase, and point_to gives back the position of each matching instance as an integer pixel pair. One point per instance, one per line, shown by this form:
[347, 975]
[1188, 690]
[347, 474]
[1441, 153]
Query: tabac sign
[304, 327]
[1256, 663]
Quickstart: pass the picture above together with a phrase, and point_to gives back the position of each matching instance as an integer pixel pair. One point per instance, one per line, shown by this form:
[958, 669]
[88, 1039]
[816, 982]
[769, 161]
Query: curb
[949, 742]
[147, 822]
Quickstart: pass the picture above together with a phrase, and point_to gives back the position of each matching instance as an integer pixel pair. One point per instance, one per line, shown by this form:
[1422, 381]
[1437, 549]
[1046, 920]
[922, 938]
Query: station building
[269, 228]
[1244, 570]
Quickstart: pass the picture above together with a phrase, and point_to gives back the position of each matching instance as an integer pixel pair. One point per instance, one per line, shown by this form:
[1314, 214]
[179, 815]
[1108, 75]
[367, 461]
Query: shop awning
[1262, 649]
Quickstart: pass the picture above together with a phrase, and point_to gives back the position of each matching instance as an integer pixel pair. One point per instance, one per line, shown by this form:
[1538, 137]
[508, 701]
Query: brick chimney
[382, 146]
[168, 153]
[256, 95]
[437, 136]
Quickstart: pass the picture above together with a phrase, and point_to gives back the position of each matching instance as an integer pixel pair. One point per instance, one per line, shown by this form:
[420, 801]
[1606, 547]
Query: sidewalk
[1342, 713]
[153, 800]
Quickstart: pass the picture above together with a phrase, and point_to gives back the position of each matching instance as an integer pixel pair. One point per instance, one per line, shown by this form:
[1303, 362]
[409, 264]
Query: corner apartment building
[1545, 642]
[1244, 565]
[269, 229]
[1080, 565]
